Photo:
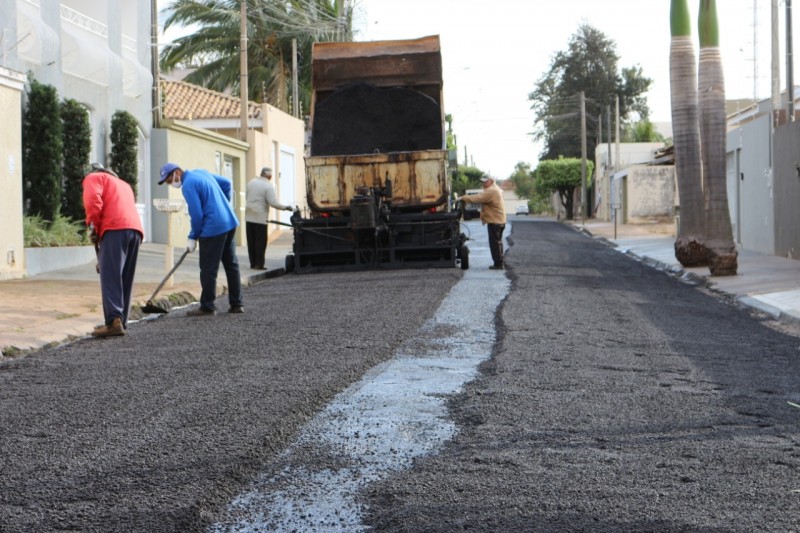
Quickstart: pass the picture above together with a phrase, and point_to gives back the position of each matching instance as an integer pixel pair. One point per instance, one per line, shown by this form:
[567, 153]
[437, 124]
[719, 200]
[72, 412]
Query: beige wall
[629, 154]
[12, 258]
[272, 130]
[650, 193]
[193, 148]
[278, 128]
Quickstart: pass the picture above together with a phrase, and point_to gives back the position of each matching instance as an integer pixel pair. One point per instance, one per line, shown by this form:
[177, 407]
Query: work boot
[236, 309]
[201, 311]
[115, 329]
[497, 266]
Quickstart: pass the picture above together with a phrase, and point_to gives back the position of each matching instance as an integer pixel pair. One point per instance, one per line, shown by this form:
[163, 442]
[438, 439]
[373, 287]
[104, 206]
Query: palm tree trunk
[690, 249]
[722, 254]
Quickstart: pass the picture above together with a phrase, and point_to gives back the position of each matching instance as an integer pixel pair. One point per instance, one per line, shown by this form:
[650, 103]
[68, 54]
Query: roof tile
[185, 101]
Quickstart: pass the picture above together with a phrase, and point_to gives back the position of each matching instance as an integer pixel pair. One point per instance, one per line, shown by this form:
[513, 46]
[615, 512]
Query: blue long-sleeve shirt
[208, 197]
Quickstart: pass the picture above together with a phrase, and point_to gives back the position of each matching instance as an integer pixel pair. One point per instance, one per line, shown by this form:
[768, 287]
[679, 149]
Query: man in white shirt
[260, 196]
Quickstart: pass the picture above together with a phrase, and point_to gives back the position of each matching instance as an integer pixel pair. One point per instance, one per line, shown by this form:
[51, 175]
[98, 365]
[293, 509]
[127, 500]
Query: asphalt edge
[786, 317]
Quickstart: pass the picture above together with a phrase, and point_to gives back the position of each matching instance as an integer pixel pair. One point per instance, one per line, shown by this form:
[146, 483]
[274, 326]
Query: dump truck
[378, 189]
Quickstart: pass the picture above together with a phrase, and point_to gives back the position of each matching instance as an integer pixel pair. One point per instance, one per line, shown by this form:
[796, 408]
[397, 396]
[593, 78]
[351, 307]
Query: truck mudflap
[392, 241]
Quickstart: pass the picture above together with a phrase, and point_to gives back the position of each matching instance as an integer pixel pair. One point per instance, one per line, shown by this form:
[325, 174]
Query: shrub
[124, 153]
[39, 233]
[77, 145]
[42, 151]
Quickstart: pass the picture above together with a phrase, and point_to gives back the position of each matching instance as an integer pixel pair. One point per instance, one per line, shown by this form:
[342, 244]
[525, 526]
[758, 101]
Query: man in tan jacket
[260, 196]
[493, 214]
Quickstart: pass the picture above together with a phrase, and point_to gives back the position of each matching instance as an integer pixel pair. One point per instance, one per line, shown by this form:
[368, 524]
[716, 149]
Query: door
[733, 185]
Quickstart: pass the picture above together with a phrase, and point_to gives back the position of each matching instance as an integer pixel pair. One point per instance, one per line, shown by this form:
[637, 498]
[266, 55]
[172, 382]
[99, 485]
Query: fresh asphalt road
[579, 391]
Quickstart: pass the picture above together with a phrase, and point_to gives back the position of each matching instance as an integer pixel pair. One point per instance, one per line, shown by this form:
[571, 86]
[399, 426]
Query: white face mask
[176, 183]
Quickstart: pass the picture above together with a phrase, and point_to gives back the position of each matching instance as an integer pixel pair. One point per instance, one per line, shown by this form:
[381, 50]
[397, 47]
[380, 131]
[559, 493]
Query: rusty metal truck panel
[419, 179]
[414, 62]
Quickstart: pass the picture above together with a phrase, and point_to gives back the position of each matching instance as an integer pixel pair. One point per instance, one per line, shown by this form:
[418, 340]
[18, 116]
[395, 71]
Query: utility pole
[608, 136]
[600, 128]
[583, 157]
[295, 96]
[340, 16]
[156, 96]
[755, 50]
[789, 63]
[776, 65]
[612, 198]
[616, 132]
[243, 88]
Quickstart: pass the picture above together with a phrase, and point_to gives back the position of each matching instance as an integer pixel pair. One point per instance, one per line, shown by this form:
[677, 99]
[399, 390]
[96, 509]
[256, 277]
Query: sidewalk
[54, 307]
[768, 283]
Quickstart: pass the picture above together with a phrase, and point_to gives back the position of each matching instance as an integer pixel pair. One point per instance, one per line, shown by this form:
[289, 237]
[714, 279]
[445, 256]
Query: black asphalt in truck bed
[362, 119]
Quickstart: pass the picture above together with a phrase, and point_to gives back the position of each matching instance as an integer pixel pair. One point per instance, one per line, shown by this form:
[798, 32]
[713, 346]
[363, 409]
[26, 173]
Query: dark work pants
[256, 243]
[117, 260]
[213, 250]
[496, 242]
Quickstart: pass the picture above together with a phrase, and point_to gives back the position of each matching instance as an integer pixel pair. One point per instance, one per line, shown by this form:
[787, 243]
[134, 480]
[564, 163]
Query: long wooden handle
[174, 268]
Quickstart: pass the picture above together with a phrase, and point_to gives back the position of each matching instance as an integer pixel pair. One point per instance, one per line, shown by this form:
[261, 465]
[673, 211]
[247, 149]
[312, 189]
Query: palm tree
[212, 51]
[690, 249]
[722, 254]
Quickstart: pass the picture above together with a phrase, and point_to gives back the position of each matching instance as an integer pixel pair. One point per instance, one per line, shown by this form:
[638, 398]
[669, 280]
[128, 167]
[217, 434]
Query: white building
[96, 52]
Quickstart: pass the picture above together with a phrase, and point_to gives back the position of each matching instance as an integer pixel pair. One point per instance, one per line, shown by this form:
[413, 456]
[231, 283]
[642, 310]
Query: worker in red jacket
[116, 229]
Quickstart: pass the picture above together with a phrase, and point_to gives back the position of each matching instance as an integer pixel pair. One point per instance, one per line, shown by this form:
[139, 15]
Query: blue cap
[166, 170]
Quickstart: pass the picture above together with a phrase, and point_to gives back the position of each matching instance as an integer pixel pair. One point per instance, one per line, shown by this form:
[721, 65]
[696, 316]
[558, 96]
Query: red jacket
[109, 204]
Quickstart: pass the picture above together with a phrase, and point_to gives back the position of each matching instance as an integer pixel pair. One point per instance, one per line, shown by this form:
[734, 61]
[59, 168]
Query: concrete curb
[182, 299]
[771, 310]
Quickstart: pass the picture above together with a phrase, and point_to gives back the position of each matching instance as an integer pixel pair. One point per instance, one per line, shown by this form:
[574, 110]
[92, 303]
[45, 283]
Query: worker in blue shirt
[213, 226]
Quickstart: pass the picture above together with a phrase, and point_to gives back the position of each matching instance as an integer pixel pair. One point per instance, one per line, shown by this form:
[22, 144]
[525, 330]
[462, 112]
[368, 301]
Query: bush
[42, 130]
[77, 146]
[124, 148]
[39, 233]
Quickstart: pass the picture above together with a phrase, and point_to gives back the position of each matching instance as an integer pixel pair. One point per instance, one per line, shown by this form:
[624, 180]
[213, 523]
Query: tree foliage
[642, 131]
[77, 147]
[450, 138]
[42, 151]
[466, 177]
[562, 176]
[590, 64]
[212, 50]
[124, 148]
[523, 180]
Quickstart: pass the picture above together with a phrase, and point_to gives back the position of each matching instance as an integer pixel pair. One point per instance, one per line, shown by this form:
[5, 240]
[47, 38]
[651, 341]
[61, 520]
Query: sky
[494, 52]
